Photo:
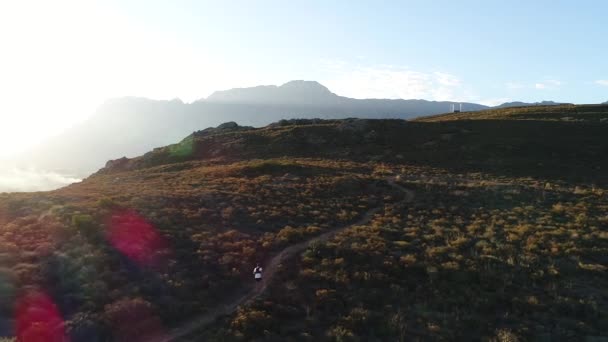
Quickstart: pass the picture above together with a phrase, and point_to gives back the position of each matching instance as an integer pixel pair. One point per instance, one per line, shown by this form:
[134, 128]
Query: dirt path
[270, 270]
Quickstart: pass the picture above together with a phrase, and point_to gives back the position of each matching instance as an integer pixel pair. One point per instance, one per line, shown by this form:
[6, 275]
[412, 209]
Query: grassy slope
[508, 235]
[587, 113]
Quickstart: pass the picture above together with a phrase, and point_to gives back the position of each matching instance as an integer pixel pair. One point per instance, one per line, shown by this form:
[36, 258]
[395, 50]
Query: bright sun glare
[61, 59]
[44, 82]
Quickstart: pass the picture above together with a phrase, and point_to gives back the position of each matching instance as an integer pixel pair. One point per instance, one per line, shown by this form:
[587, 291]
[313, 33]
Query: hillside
[586, 113]
[476, 229]
[547, 148]
[132, 126]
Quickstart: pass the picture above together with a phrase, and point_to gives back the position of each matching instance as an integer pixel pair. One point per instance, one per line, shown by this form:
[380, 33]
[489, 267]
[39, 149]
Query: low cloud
[446, 79]
[393, 82]
[548, 84]
[602, 83]
[15, 179]
[399, 82]
[540, 85]
[514, 85]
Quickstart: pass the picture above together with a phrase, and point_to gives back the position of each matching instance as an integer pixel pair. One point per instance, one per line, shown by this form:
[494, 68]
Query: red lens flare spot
[136, 238]
[37, 319]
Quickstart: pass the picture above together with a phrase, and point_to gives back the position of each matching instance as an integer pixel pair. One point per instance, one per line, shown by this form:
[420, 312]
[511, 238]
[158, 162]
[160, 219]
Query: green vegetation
[506, 238]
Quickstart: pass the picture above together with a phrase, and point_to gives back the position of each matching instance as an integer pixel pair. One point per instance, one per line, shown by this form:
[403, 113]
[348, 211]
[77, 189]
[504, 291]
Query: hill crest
[293, 92]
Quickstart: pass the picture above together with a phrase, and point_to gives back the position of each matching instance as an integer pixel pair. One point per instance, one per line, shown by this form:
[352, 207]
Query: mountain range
[526, 104]
[130, 126]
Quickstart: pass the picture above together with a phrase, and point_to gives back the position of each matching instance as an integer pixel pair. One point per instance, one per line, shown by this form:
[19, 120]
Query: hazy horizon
[61, 59]
[8, 154]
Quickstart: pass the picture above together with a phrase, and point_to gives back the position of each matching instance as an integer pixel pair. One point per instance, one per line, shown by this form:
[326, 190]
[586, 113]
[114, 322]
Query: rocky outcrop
[225, 127]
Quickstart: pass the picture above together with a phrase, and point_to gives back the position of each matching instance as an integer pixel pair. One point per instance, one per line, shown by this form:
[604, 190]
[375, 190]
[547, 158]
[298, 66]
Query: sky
[61, 59]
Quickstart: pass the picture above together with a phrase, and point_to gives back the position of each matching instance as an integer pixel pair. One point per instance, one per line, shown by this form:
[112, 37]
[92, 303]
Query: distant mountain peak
[292, 92]
[527, 104]
[306, 85]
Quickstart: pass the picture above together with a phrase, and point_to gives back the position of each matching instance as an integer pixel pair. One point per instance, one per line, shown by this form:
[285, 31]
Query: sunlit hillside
[457, 229]
[587, 113]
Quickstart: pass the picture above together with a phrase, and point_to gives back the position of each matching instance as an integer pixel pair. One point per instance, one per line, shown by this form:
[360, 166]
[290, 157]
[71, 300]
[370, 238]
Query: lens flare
[182, 150]
[37, 319]
[136, 238]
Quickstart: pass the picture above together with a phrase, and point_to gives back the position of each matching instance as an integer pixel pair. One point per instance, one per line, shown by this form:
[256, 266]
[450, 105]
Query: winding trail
[270, 269]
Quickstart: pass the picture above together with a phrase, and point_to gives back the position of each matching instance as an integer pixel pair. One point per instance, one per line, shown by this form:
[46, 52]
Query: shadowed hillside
[537, 148]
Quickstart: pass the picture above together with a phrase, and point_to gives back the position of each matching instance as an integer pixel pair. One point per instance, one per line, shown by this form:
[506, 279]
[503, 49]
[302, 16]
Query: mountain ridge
[297, 91]
[130, 126]
[526, 104]
[303, 89]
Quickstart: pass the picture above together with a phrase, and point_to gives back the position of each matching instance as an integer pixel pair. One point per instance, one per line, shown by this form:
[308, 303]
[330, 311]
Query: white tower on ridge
[454, 110]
